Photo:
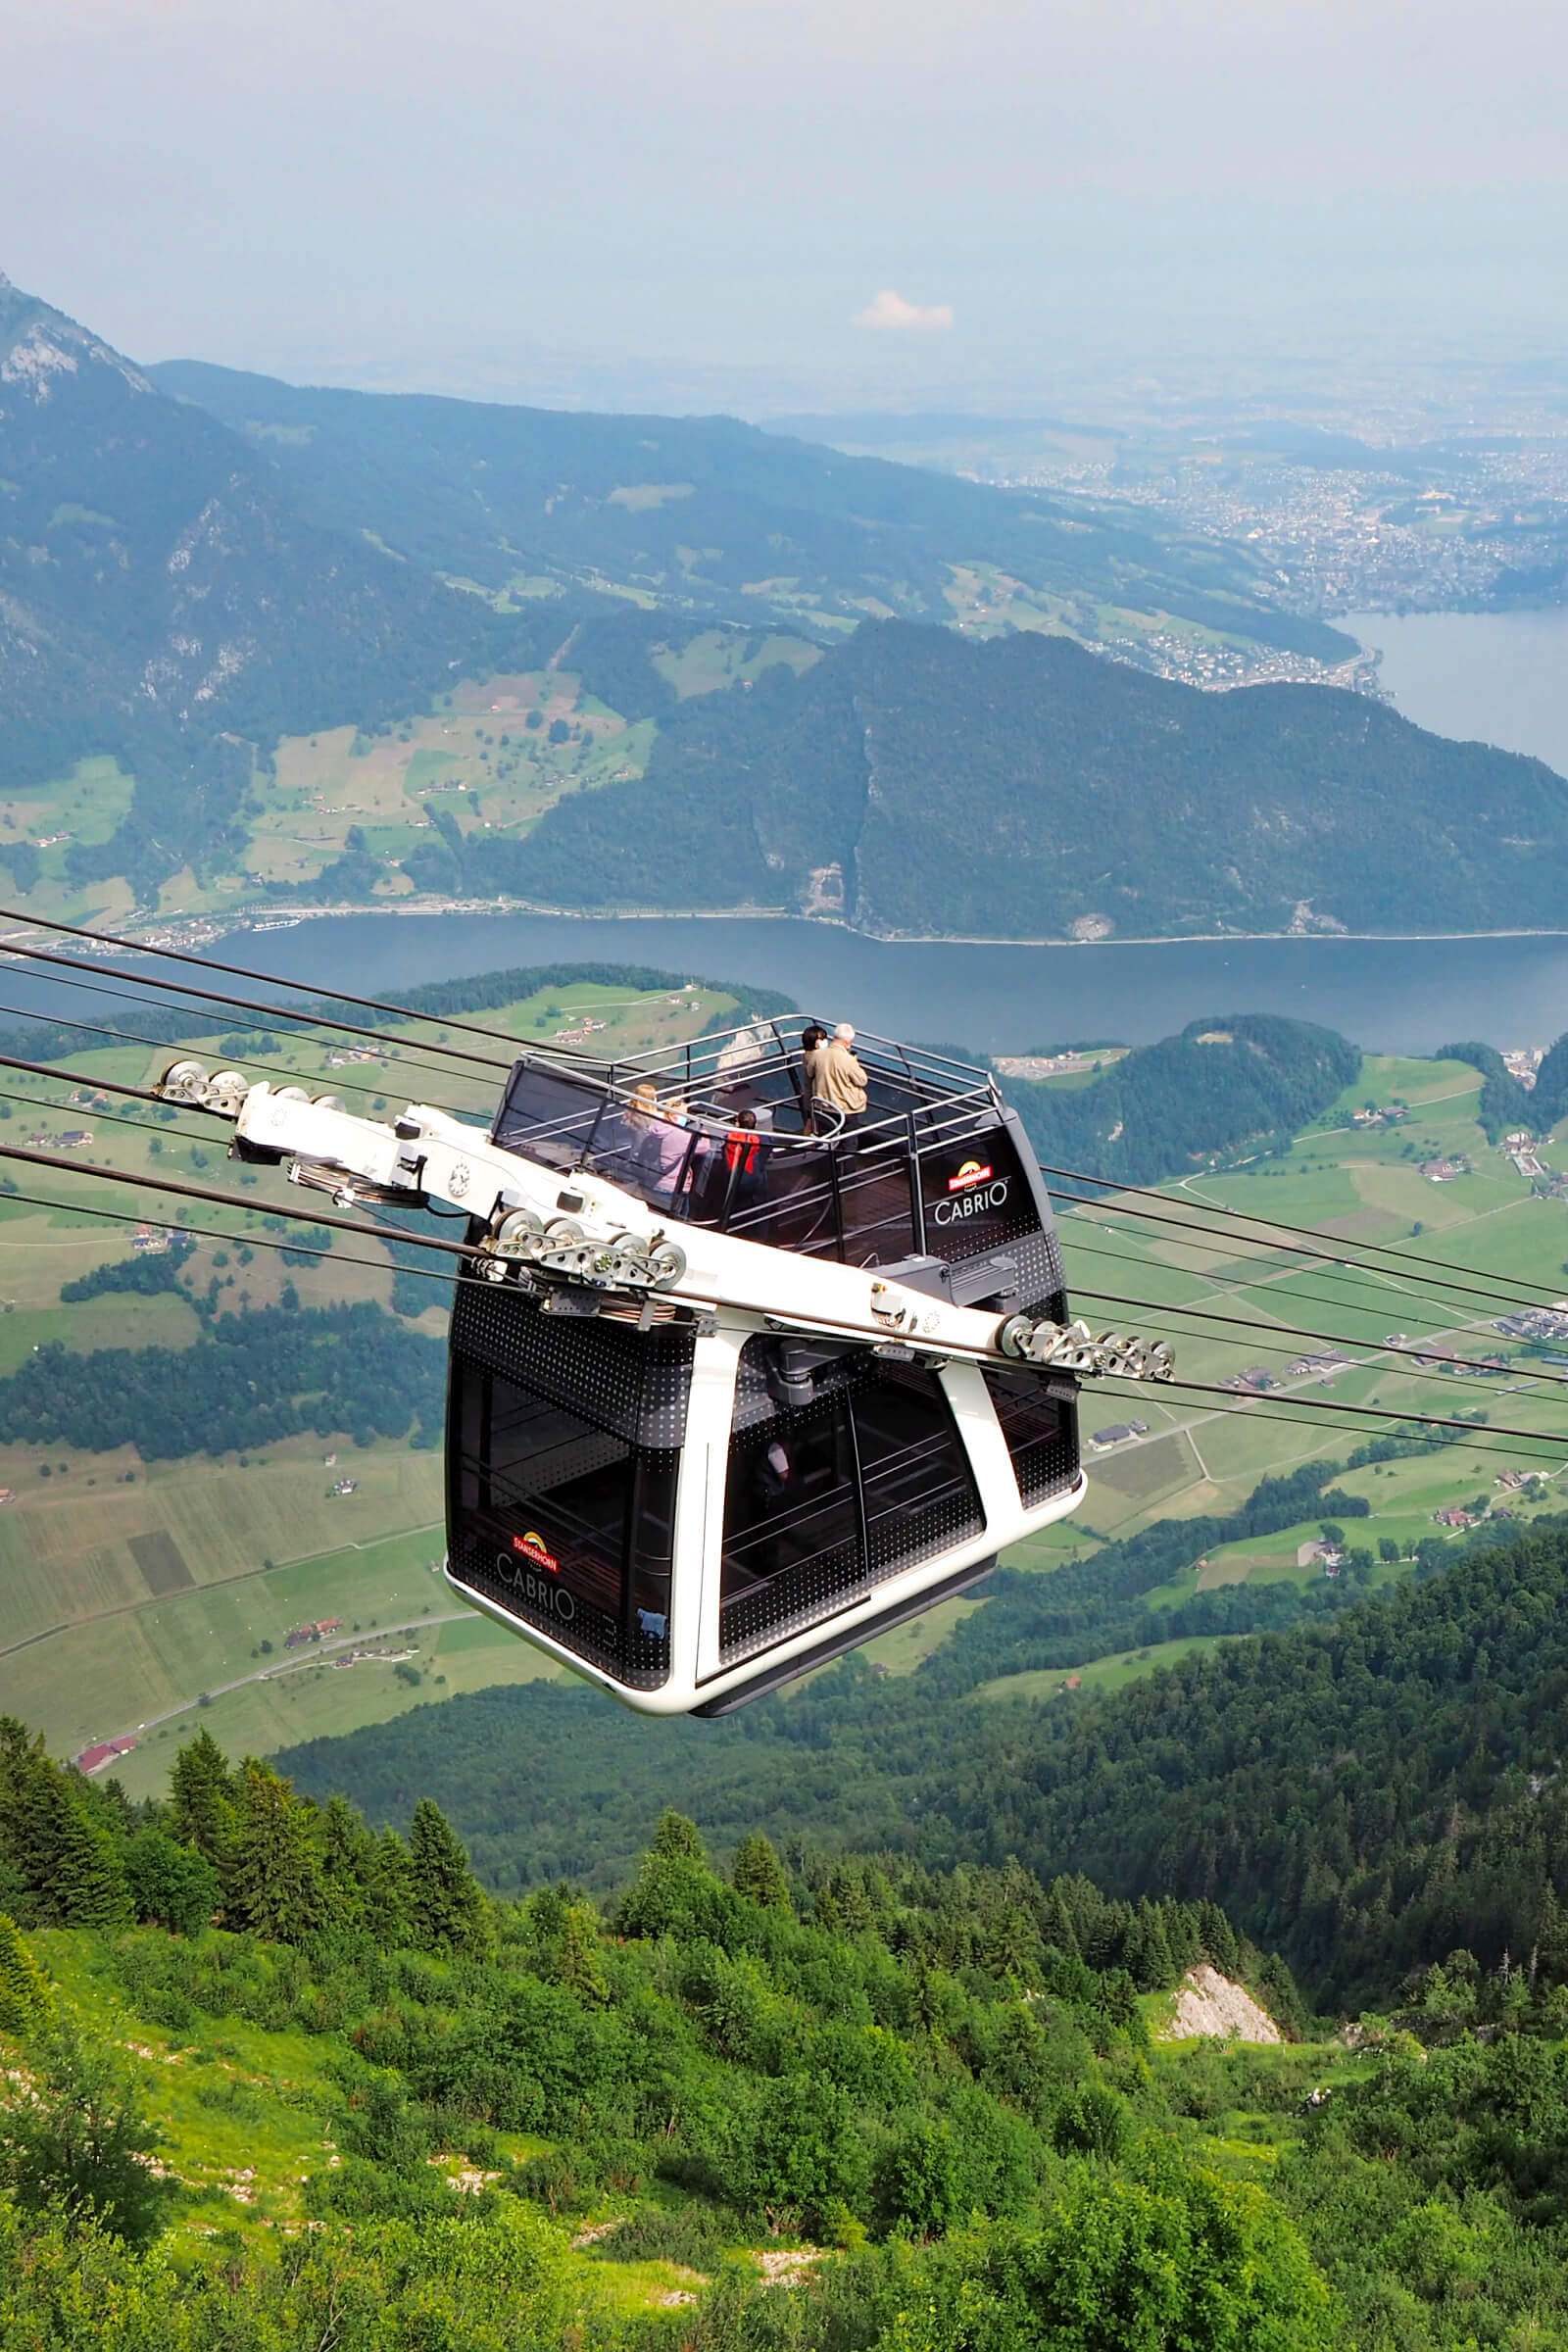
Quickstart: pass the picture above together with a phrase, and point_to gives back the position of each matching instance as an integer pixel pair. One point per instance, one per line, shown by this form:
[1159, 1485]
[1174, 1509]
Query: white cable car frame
[728, 1400]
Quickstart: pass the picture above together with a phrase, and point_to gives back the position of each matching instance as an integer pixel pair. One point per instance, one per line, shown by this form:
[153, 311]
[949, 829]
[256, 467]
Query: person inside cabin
[838, 1081]
[663, 1149]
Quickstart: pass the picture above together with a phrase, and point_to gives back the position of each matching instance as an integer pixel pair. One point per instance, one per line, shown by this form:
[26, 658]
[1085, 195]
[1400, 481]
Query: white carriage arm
[585, 1231]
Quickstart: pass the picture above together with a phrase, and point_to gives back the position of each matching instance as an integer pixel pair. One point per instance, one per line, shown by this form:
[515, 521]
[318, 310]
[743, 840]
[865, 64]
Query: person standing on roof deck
[814, 1036]
[838, 1077]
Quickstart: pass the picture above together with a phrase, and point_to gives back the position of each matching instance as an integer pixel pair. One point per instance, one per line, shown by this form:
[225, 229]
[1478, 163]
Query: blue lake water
[1393, 996]
[1485, 677]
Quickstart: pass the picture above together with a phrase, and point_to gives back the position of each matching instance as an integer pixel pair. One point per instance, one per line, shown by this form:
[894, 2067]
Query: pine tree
[389, 1894]
[90, 1888]
[677, 1839]
[25, 1998]
[71, 1867]
[348, 1853]
[271, 1875]
[447, 1905]
[202, 1795]
[577, 1960]
[759, 1875]
[172, 1885]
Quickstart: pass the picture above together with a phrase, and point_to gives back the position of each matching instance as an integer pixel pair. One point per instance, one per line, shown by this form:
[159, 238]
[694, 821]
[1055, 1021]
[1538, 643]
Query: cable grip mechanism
[1074, 1347]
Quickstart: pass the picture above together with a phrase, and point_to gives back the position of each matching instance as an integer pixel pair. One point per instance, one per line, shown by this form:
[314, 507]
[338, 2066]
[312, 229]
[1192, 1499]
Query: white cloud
[889, 310]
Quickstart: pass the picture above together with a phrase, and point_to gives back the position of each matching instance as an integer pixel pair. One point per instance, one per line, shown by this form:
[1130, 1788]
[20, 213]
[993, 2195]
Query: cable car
[734, 1386]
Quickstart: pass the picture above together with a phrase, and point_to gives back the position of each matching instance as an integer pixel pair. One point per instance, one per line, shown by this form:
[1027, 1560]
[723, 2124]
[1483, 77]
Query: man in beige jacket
[836, 1076]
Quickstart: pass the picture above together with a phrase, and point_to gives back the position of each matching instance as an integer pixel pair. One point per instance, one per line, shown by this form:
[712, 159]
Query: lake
[1391, 996]
[1485, 677]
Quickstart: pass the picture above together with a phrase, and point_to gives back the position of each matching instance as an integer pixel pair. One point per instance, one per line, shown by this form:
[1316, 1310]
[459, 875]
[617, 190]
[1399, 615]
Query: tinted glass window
[567, 1527]
[548, 1116]
[1041, 1429]
[918, 1488]
[843, 1469]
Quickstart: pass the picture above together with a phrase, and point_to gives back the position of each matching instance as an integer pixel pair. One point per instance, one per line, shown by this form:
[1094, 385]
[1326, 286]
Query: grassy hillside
[854, 2107]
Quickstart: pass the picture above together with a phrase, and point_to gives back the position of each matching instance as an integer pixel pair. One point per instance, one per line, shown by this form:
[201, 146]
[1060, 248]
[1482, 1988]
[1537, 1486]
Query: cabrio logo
[971, 1173]
[518, 1570]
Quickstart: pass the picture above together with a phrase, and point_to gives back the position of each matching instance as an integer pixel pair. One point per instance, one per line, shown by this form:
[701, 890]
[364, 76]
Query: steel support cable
[188, 988]
[204, 1192]
[1261, 1328]
[1202, 1415]
[1479, 1437]
[1099, 1184]
[1326, 1254]
[1365, 1412]
[1261, 1333]
[1389, 1295]
[124, 1037]
[1146, 1192]
[112, 1119]
[241, 972]
[295, 1025]
[196, 1191]
[241, 1241]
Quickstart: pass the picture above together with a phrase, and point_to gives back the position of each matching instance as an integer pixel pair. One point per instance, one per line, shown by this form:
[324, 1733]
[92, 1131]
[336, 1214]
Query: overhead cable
[1405, 1259]
[239, 1241]
[240, 971]
[1263, 1332]
[187, 988]
[1326, 1253]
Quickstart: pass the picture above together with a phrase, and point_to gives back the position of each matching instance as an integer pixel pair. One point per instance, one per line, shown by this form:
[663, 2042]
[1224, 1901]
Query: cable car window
[1041, 1430]
[918, 1488]
[548, 1115]
[843, 1471]
[563, 1524]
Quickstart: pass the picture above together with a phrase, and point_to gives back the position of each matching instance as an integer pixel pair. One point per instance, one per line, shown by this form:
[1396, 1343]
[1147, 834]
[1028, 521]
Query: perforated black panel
[482, 1560]
[802, 1596]
[632, 1382]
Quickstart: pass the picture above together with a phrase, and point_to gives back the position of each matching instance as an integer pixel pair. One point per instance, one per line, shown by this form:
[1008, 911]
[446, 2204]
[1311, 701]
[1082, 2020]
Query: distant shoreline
[883, 939]
[281, 918]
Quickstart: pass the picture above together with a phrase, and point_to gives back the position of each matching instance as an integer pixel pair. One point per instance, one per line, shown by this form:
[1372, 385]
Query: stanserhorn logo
[970, 1173]
[534, 1548]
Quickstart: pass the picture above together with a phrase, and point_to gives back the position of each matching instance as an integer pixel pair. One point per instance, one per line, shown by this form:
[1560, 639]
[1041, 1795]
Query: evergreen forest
[272, 2077]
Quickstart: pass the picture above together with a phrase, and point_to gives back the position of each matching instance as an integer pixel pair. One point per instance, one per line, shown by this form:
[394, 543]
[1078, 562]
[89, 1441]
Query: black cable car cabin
[691, 1509]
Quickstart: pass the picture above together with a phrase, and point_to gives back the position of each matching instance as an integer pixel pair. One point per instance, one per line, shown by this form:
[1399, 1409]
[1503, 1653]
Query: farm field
[492, 755]
[129, 1587]
[1103, 1674]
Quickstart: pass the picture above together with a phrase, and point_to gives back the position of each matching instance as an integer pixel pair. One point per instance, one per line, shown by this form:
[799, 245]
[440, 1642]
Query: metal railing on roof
[921, 1070]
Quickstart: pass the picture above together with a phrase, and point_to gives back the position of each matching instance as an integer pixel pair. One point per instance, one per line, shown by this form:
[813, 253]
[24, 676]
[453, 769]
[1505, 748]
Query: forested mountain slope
[707, 515]
[916, 783]
[385, 2093]
[159, 589]
[1228, 1080]
[269, 2080]
[1362, 1794]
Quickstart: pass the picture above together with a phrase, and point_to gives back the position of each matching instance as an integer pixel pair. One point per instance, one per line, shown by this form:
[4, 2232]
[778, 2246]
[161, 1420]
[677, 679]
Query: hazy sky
[829, 200]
